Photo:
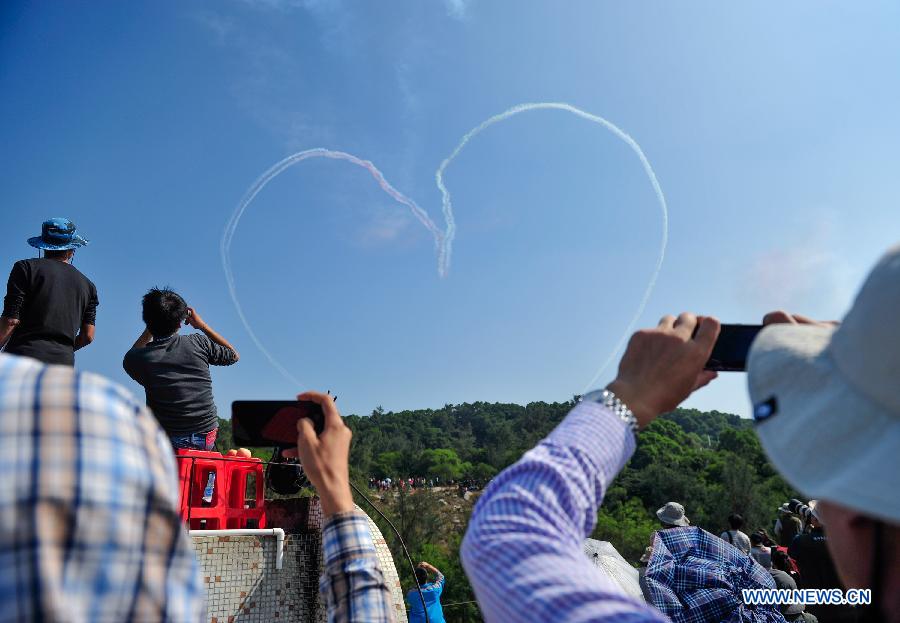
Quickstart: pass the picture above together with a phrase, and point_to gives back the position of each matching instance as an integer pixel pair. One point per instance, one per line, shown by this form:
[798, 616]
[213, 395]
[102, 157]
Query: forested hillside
[710, 461]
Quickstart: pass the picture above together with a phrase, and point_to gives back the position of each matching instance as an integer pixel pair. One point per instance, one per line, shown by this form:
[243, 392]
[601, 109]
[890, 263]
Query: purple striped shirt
[523, 549]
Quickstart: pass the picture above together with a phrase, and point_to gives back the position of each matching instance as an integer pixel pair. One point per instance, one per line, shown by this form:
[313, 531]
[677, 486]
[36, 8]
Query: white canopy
[605, 556]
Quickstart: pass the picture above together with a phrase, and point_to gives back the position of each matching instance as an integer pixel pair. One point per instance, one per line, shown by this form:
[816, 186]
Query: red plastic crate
[226, 510]
[236, 472]
[194, 469]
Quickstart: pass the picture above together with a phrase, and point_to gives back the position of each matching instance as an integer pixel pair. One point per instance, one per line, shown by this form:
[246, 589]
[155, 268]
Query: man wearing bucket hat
[787, 526]
[50, 308]
[826, 400]
[672, 516]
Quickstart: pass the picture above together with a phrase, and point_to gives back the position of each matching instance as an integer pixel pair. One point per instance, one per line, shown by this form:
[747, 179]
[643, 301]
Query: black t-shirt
[51, 299]
[814, 561]
[817, 571]
[174, 371]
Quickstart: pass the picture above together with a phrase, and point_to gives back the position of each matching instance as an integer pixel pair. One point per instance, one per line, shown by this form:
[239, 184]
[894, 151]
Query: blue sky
[772, 128]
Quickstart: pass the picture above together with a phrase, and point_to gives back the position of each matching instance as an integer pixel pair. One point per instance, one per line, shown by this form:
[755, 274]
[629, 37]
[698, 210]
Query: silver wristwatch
[609, 400]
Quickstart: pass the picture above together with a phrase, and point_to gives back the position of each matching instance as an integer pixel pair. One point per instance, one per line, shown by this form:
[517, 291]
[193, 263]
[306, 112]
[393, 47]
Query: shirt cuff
[346, 535]
[598, 432]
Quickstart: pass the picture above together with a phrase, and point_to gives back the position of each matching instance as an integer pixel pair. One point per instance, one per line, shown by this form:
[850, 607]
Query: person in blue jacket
[431, 591]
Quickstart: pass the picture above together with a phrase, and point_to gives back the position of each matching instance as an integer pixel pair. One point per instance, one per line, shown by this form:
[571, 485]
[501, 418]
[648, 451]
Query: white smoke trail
[260, 183]
[447, 248]
[443, 240]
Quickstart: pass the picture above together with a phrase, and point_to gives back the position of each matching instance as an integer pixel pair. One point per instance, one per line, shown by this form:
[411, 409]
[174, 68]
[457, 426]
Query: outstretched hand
[325, 458]
[663, 366]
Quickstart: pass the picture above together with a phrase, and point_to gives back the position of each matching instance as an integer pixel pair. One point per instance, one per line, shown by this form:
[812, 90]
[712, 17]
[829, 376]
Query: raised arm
[193, 319]
[352, 582]
[437, 585]
[523, 548]
[145, 338]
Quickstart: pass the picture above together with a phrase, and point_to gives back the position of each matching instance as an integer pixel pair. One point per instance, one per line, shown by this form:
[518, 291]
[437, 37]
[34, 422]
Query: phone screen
[731, 349]
[271, 422]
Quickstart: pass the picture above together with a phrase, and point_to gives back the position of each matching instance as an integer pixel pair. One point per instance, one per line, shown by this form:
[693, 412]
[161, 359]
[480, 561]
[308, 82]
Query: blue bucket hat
[695, 577]
[57, 234]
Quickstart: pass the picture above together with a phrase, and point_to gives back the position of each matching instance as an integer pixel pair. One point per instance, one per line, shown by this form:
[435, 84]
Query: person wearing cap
[50, 308]
[787, 526]
[671, 515]
[826, 405]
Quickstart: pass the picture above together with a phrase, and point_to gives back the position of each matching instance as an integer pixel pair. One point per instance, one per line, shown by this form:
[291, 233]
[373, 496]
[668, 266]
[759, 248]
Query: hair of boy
[163, 311]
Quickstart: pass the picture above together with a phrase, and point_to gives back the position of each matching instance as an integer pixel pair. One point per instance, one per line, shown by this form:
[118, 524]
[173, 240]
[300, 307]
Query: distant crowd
[387, 483]
[420, 482]
[91, 529]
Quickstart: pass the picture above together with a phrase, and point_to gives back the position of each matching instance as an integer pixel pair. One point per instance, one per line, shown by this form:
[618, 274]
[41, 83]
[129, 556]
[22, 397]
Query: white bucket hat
[826, 399]
[672, 514]
[813, 504]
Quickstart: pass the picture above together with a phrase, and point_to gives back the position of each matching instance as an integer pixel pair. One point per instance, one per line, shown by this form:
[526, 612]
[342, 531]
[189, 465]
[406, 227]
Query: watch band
[610, 401]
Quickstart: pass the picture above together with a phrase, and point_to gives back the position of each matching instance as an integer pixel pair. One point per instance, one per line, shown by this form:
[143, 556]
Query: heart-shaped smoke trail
[443, 240]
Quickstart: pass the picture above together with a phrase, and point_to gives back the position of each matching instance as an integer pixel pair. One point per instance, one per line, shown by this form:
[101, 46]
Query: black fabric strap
[872, 613]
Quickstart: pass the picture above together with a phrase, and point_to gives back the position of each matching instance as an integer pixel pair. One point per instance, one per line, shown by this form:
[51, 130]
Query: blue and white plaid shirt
[353, 583]
[523, 549]
[694, 577]
[89, 525]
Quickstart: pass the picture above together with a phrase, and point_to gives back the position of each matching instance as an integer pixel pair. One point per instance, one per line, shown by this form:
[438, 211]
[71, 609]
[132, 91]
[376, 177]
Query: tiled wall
[243, 585]
[390, 572]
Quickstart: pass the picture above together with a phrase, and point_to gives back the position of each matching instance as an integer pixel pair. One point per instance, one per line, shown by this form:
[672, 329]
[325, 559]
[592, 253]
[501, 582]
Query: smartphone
[731, 349]
[258, 423]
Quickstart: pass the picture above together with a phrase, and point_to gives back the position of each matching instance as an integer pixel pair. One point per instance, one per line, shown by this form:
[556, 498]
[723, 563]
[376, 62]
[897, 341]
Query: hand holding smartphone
[325, 456]
[732, 347]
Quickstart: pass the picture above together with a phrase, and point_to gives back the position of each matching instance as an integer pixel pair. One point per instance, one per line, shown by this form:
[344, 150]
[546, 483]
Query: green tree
[388, 464]
[443, 463]
[481, 472]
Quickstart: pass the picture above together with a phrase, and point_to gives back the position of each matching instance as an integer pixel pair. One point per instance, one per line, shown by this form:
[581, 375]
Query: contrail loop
[443, 240]
[260, 183]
